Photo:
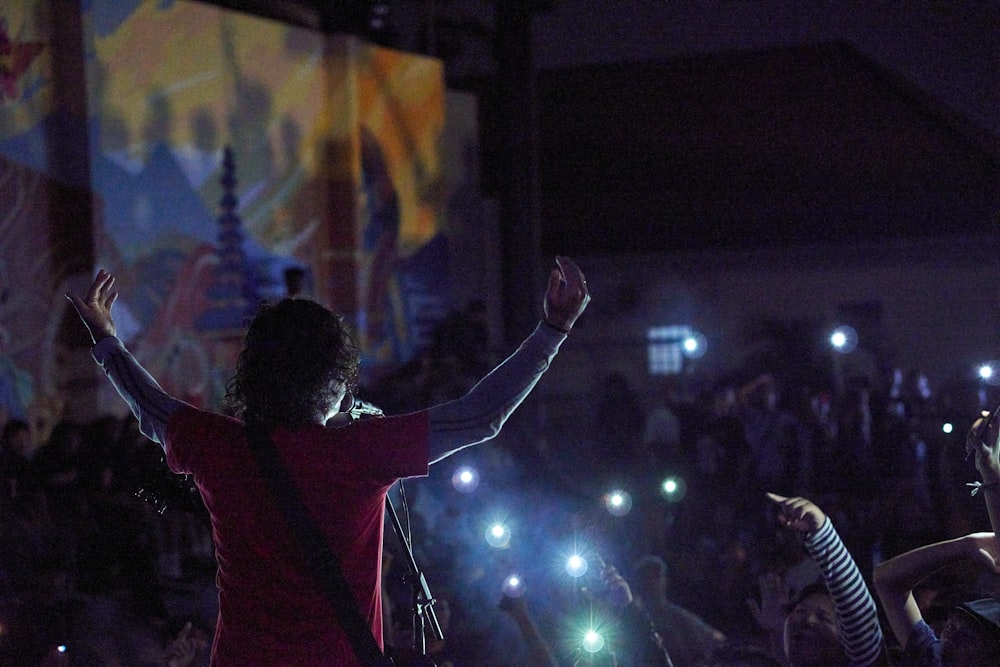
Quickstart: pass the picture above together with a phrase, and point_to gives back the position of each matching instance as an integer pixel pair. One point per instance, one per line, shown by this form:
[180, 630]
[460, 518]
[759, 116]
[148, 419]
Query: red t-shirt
[271, 609]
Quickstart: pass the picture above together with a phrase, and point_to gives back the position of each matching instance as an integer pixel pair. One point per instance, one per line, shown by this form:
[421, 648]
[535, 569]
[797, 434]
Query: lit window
[666, 348]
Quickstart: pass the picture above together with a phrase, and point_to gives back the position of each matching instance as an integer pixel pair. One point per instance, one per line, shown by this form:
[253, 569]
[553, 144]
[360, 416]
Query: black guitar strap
[315, 548]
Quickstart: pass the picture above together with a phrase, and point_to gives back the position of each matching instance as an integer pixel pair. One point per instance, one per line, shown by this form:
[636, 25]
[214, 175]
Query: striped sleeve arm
[857, 616]
[145, 398]
[480, 414]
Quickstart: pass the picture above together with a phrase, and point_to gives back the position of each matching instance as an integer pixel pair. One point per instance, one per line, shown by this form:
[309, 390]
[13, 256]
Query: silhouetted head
[297, 362]
[16, 438]
[761, 393]
[650, 579]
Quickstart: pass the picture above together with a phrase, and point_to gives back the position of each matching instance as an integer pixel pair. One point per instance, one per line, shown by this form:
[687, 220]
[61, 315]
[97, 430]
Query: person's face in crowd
[811, 633]
[724, 402]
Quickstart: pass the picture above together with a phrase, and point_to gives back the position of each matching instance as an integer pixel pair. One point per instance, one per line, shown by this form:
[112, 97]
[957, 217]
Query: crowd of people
[889, 466]
[84, 541]
[834, 525]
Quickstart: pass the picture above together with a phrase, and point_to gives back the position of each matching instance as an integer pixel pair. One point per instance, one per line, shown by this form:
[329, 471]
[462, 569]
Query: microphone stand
[423, 601]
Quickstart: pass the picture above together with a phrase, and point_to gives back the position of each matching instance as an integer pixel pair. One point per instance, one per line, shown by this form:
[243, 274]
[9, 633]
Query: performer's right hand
[95, 310]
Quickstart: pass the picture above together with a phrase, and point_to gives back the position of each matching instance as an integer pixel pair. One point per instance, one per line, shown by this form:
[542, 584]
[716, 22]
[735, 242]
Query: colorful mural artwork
[15, 59]
[333, 188]
[25, 275]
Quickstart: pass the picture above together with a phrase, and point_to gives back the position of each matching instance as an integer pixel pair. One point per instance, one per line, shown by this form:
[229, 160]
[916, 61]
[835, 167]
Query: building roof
[804, 144]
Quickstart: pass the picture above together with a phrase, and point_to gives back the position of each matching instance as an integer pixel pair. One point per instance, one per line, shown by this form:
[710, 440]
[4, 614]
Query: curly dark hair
[294, 351]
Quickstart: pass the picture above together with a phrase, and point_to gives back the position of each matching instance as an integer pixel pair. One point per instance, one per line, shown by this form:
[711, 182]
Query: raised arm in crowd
[971, 635]
[839, 625]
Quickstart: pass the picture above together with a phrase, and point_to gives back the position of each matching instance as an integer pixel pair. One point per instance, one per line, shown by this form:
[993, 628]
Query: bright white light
[844, 339]
[513, 586]
[947, 427]
[465, 480]
[576, 566]
[694, 345]
[618, 503]
[498, 535]
[673, 489]
[989, 372]
[592, 641]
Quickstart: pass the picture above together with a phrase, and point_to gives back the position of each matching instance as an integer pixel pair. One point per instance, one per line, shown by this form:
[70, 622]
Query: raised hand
[770, 613]
[983, 440]
[798, 513]
[619, 592]
[184, 648]
[566, 296]
[95, 310]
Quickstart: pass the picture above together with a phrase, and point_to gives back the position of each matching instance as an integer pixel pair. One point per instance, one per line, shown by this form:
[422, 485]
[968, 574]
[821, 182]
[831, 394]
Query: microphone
[357, 408]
